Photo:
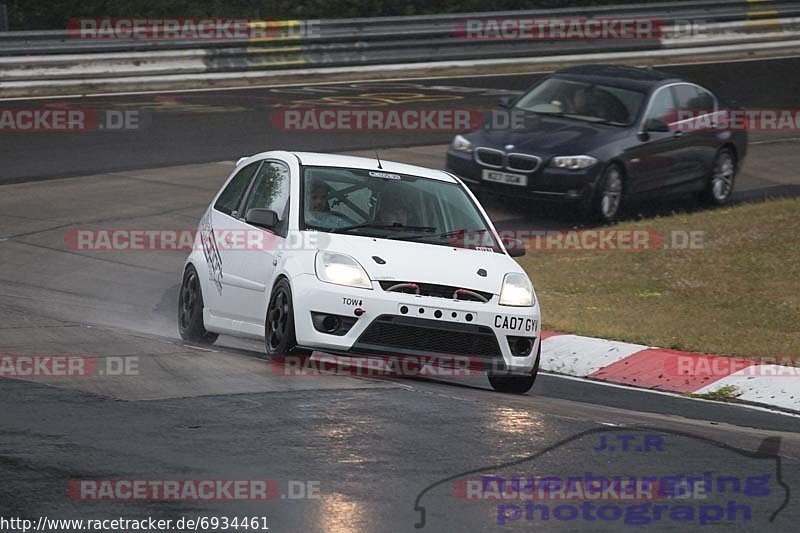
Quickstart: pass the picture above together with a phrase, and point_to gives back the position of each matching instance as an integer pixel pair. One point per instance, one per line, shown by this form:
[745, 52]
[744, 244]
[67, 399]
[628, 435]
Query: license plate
[505, 177]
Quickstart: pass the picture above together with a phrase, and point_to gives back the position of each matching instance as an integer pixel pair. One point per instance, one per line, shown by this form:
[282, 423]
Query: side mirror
[514, 247]
[263, 218]
[504, 101]
[656, 124]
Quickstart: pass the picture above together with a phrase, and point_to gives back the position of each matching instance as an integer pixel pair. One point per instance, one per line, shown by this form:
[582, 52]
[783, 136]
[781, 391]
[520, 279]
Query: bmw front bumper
[544, 183]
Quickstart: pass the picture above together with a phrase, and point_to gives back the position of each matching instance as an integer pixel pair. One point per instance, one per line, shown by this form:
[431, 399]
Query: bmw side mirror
[514, 247]
[263, 218]
[504, 101]
[655, 124]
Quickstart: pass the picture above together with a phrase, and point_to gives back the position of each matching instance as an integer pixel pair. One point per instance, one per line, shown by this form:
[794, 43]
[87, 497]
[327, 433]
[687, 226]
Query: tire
[190, 310]
[609, 195]
[721, 181]
[279, 332]
[516, 384]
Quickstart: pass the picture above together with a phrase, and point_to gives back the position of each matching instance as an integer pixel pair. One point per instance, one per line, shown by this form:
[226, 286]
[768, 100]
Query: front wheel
[719, 189]
[279, 335]
[608, 197]
[516, 384]
[190, 310]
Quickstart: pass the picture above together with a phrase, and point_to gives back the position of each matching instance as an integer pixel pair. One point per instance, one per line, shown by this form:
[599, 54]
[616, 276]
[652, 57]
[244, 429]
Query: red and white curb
[755, 381]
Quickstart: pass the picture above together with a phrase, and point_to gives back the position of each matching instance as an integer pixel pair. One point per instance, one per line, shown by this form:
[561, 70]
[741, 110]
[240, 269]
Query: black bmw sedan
[600, 136]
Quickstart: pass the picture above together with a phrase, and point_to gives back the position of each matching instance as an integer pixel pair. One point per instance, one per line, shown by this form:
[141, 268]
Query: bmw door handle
[679, 133]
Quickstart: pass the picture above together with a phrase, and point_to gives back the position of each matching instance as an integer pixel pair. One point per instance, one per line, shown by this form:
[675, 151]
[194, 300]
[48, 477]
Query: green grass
[738, 295]
[728, 393]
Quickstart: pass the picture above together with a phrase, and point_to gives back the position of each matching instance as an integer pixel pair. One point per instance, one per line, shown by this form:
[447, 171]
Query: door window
[662, 108]
[271, 191]
[230, 199]
[694, 99]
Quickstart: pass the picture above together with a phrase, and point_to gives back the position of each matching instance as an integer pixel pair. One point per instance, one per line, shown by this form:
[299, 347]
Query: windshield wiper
[375, 225]
[445, 235]
[592, 119]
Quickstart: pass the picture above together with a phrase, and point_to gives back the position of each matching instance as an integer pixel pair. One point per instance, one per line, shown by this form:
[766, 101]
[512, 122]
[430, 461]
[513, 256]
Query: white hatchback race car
[349, 255]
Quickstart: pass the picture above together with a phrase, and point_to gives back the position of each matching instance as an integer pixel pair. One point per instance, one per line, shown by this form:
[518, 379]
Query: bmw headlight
[461, 144]
[517, 290]
[574, 162]
[341, 269]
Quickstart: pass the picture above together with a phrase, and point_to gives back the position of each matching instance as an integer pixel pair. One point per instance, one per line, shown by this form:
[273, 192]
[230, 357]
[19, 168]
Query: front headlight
[341, 269]
[461, 144]
[517, 290]
[573, 162]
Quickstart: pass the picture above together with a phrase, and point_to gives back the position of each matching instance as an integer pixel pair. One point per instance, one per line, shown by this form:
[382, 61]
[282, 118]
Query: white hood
[425, 263]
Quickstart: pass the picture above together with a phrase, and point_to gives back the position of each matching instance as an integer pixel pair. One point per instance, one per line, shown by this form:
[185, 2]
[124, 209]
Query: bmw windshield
[375, 203]
[581, 100]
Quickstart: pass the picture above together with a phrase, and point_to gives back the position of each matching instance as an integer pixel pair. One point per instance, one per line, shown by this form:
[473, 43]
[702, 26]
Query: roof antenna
[379, 160]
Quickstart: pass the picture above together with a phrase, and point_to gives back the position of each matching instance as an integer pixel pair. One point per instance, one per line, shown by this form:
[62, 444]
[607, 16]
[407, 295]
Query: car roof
[641, 79]
[315, 159]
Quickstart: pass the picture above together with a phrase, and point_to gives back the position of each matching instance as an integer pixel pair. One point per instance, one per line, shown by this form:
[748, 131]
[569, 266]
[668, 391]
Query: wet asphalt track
[385, 453]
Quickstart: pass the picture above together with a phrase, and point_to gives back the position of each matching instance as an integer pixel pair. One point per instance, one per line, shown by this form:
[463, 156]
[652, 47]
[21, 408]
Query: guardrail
[44, 59]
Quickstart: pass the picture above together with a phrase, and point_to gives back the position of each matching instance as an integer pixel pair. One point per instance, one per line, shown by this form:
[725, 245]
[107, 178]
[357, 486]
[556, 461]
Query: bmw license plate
[505, 177]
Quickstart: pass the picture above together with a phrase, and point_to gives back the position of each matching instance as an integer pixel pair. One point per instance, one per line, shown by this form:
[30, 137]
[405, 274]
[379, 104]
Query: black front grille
[406, 335]
[436, 291]
[493, 158]
[523, 163]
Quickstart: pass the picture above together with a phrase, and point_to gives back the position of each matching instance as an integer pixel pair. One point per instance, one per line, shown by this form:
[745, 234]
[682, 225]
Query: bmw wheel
[190, 310]
[609, 195]
[719, 189]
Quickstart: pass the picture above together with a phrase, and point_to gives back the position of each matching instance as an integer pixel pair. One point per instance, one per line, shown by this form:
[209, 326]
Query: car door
[249, 253]
[656, 159]
[220, 218]
[699, 136]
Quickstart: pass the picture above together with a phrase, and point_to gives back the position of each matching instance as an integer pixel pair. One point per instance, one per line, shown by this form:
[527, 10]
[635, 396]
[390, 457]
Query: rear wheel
[516, 384]
[190, 310]
[719, 189]
[279, 333]
[607, 201]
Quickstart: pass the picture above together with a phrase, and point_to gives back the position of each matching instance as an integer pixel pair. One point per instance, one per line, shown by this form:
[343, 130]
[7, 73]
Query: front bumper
[544, 183]
[395, 323]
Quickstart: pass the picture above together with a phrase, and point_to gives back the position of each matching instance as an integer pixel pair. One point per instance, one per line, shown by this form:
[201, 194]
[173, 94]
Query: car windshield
[583, 100]
[387, 205]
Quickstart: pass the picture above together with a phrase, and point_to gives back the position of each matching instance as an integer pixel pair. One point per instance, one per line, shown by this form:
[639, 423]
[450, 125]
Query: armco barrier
[43, 59]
